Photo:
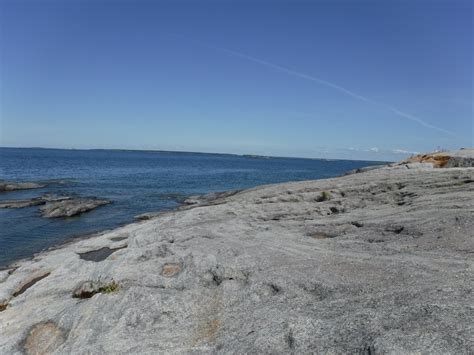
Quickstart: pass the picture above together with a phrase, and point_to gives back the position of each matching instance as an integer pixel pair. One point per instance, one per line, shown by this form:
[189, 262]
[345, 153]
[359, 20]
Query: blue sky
[333, 79]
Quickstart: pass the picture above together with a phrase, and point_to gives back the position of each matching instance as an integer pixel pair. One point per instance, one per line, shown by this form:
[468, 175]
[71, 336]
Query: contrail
[419, 120]
[324, 82]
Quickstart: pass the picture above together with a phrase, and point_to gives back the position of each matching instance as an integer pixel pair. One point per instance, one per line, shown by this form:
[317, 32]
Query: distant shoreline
[246, 155]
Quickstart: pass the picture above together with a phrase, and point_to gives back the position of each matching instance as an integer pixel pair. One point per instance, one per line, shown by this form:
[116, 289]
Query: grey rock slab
[13, 186]
[70, 207]
[21, 203]
[273, 269]
[32, 201]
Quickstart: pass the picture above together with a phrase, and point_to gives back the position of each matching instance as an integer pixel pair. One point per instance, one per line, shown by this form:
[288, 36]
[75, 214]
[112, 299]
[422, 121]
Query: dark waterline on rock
[135, 181]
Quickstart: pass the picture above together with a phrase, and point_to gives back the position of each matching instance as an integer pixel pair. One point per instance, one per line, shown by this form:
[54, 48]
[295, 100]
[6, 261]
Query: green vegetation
[325, 196]
[91, 288]
[109, 288]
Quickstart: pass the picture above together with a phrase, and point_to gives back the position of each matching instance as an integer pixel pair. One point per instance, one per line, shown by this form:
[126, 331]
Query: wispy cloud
[332, 85]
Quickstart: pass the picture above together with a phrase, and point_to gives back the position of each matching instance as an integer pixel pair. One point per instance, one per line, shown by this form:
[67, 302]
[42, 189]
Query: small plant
[91, 288]
[325, 196]
[111, 287]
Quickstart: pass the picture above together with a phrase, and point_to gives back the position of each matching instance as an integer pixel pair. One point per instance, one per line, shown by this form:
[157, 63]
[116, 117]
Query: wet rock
[13, 186]
[32, 202]
[22, 203]
[99, 254]
[70, 207]
[118, 239]
[57, 206]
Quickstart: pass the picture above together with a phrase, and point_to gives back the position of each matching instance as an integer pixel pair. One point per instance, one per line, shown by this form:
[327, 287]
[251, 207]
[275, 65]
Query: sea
[135, 182]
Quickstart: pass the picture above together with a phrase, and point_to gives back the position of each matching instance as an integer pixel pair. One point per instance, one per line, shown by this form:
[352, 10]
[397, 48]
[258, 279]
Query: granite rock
[70, 207]
[383, 264]
[13, 186]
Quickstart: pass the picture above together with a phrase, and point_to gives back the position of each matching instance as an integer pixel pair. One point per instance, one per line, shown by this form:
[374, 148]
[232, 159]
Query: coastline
[199, 200]
[190, 202]
[211, 198]
[25, 233]
[278, 258]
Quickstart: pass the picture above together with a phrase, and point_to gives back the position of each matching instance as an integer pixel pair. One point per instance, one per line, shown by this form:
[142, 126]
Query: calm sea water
[136, 182]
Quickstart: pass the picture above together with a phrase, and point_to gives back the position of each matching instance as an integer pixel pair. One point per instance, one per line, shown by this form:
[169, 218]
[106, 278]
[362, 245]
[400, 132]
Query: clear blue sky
[335, 79]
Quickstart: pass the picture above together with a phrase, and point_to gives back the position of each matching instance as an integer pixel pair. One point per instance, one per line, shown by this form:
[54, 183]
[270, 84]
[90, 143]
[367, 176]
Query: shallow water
[136, 182]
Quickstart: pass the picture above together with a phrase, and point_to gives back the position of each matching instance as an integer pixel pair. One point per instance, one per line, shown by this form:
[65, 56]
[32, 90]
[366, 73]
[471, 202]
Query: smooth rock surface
[372, 263]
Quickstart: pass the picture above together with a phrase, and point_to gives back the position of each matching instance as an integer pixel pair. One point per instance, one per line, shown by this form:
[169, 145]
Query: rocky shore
[376, 262]
[52, 206]
[57, 206]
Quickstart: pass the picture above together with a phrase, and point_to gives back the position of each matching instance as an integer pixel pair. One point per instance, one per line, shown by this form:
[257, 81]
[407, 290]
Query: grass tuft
[325, 196]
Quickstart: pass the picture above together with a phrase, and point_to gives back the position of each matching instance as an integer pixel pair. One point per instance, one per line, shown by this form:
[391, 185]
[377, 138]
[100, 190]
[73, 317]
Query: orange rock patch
[170, 270]
[438, 160]
[43, 338]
